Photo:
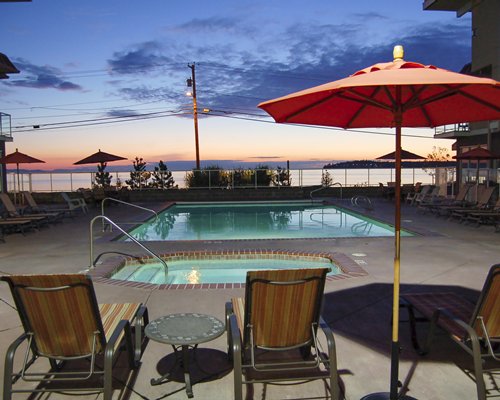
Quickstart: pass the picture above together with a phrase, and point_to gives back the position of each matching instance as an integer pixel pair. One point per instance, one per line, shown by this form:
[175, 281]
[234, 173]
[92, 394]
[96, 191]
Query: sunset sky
[111, 75]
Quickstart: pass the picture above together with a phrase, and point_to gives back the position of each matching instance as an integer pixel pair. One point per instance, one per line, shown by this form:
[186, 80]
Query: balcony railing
[453, 128]
[5, 127]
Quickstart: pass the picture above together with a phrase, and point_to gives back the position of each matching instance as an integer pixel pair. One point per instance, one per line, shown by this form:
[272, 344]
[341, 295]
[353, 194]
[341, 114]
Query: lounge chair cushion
[112, 314]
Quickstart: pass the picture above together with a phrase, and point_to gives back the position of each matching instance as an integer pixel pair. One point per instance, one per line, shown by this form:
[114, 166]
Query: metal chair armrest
[141, 320]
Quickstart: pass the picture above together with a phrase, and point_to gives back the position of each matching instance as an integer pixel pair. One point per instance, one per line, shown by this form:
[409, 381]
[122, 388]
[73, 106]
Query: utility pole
[192, 83]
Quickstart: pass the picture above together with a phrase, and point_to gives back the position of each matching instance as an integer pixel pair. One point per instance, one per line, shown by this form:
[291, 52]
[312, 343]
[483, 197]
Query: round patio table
[183, 331]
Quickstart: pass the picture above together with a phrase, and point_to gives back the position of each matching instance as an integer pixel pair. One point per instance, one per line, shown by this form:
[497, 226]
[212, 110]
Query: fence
[72, 181]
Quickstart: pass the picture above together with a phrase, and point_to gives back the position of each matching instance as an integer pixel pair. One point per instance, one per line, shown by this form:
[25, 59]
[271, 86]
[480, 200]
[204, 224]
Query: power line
[102, 121]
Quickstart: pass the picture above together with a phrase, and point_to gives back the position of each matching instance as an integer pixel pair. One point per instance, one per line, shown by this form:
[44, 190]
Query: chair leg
[477, 359]
[236, 352]
[9, 366]
[332, 360]
[478, 368]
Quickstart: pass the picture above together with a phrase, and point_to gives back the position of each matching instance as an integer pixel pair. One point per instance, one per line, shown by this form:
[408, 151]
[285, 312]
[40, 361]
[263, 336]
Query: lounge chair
[483, 217]
[8, 225]
[64, 324]
[458, 201]
[428, 197]
[34, 208]
[11, 213]
[410, 196]
[75, 203]
[272, 332]
[476, 328]
[461, 213]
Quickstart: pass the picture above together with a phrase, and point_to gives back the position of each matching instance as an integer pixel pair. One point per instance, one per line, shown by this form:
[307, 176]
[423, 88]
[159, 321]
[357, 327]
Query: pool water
[260, 220]
[226, 270]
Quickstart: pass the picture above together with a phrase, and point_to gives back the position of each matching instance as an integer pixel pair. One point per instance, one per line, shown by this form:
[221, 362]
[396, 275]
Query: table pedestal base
[182, 360]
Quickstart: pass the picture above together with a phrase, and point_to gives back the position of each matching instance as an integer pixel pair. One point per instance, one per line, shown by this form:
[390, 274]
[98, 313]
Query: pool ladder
[133, 239]
[324, 187]
[362, 201]
[108, 199]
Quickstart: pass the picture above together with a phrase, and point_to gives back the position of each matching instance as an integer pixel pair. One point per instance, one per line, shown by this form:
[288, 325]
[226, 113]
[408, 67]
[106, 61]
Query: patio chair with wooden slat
[75, 203]
[476, 328]
[64, 324]
[272, 332]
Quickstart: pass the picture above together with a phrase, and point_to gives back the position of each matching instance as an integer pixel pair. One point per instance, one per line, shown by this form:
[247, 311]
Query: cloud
[41, 77]
[122, 113]
[266, 157]
[209, 25]
[144, 93]
[142, 58]
[232, 78]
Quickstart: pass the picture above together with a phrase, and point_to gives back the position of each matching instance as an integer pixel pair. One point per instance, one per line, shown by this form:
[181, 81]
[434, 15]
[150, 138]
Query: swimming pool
[259, 220]
[220, 269]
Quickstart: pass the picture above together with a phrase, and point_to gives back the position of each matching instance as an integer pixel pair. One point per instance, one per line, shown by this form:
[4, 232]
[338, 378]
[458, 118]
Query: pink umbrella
[393, 94]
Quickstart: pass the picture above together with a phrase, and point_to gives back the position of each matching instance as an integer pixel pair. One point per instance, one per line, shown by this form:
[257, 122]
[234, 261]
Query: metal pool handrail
[104, 218]
[128, 204]
[324, 187]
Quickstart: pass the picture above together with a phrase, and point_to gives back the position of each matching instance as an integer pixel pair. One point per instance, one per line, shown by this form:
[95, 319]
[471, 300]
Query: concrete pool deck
[447, 255]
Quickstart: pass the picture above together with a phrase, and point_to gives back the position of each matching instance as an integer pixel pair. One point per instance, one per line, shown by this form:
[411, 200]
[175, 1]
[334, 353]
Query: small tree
[282, 177]
[438, 154]
[162, 177]
[102, 178]
[139, 176]
[326, 178]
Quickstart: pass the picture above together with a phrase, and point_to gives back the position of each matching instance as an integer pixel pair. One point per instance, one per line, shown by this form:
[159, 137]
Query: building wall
[486, 37]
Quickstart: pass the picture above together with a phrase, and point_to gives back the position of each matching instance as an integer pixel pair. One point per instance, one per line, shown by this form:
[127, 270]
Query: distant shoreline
[368, 164]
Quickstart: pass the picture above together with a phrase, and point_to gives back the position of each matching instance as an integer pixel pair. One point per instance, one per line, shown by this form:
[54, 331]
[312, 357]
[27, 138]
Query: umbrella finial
[398, 53]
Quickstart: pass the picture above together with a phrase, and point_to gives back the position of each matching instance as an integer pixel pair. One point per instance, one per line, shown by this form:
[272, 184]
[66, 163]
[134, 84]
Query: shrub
[211, 176]
[264, 175]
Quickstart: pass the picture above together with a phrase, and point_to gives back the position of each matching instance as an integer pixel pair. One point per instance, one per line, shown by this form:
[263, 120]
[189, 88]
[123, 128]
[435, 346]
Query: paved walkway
[447, 255]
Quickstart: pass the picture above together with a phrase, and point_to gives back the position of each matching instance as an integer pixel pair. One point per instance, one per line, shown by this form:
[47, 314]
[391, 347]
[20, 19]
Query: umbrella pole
[397, 254]
[18, 187]
[393, 394]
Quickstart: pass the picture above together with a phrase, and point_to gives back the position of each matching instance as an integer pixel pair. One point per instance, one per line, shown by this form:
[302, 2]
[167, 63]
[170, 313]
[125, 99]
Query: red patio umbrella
[100, 157]
[19, 158]
[393, 94]
[478, 153]
[405, 155]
